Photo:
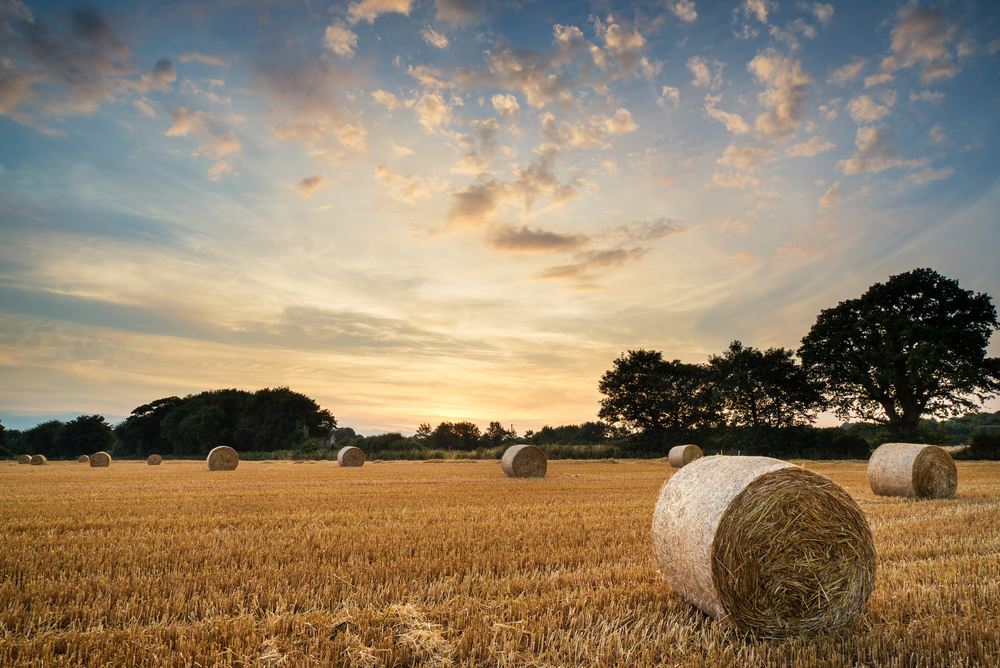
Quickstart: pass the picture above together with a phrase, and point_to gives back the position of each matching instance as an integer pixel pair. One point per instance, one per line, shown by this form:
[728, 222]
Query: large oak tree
[912, 346]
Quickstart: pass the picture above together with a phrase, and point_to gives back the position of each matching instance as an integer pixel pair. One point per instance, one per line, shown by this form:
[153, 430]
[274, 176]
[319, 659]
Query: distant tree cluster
[55, 439]
[912, 347]
[262, 421]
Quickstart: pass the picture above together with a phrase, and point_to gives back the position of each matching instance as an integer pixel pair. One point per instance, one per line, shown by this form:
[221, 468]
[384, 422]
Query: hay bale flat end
[223, 458]
[100, 459]
[350, 456]
[524, 461]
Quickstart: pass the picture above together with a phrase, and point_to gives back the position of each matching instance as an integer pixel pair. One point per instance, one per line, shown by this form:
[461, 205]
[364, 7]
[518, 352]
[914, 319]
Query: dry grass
[405, 564]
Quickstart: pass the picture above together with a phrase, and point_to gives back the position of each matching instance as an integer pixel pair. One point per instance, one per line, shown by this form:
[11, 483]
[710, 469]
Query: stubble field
[439, 564]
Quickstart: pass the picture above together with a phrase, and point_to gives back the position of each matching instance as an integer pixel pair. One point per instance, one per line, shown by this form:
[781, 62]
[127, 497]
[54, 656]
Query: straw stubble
[764, 546]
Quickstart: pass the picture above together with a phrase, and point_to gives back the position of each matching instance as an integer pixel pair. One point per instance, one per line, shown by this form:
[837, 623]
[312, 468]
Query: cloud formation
[814, 146]
[787, 85]
[922, 36]
[307, 187]
[876, 152]
[525, 240]
[369, 10]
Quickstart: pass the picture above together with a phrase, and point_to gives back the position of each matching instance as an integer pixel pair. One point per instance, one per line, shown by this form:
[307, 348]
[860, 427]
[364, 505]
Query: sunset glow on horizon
[417, 211]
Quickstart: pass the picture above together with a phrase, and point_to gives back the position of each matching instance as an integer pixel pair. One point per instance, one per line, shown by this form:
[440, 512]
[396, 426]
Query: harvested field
[404, 563]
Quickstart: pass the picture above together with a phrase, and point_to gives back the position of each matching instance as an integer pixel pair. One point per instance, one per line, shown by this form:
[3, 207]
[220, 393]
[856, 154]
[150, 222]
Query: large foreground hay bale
[913, 470]
[100, 459]
[38, 460]
[83, 459]
[350, 456]
[524, 461]
[681, 455]
[24, 459]
[764, 546]
[154, 460]
[223, 458]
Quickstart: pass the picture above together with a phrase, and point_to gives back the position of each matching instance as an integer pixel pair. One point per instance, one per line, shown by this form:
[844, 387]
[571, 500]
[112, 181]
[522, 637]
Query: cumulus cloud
[733, 122]
[846, 73]
[340, 39]
[194, 56]
[787, 85]
[927, 96]
[864, 110]
[434, 38]
[620, 123]
[432, 112]
[507, 107]
[457, 12]
[922, 36]
[144, 108]
[159, 79]
[525, 240]
[823, 12]
[401, 188]
[670, 96]
[625, 46]
[876, 152]
[369, 10]
[745, 158]
[937, 136]
[731, 226]
[831, 198]
[927, 175]
[757, 9]
[683, 9]
[589, 134]
[387, 100]
[400, 149]
[217, 141]
[814, 146]
[703, 75]
[307, 187]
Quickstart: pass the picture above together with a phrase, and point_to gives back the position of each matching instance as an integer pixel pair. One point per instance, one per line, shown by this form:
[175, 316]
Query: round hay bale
[524, 461]
[24, 459]
[154, 460]
[913, 470]
[83, 459]
[764, 546]
[350, 456]
[680, 455]
[100, 459]
[38, 460]
[223, 458]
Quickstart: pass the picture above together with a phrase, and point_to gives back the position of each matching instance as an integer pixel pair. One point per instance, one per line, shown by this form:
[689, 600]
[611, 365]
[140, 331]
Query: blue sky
[449, 210]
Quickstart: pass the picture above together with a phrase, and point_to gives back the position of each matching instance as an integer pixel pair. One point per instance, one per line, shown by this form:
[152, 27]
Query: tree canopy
[912, 346]
[763, 389]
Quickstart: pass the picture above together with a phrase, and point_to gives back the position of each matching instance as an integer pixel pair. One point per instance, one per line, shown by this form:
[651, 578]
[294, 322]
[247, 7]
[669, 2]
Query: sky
[426, 210]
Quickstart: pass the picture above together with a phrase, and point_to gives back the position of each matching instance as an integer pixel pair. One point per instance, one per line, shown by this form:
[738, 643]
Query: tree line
[262, 421]
[908, 349]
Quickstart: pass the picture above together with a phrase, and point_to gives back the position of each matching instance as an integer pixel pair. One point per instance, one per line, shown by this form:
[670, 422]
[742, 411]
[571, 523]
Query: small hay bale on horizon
[681, 455]
[223, 458]
[24, 459]
[154, 460]
[38, 460]
[764, 546]
[350, 456]
[100, 459]
[83, 459]
[913, 470]
[524, 461]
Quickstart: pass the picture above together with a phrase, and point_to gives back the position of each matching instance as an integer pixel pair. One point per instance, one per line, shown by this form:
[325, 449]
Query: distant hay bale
[524, 461]
[24, 459]
[680, 455]
[223, 458]
[913, 470]
[154, 460]
[350, 456]
[38, 460]
[100, 459]
[83, 459]
[764, 546]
